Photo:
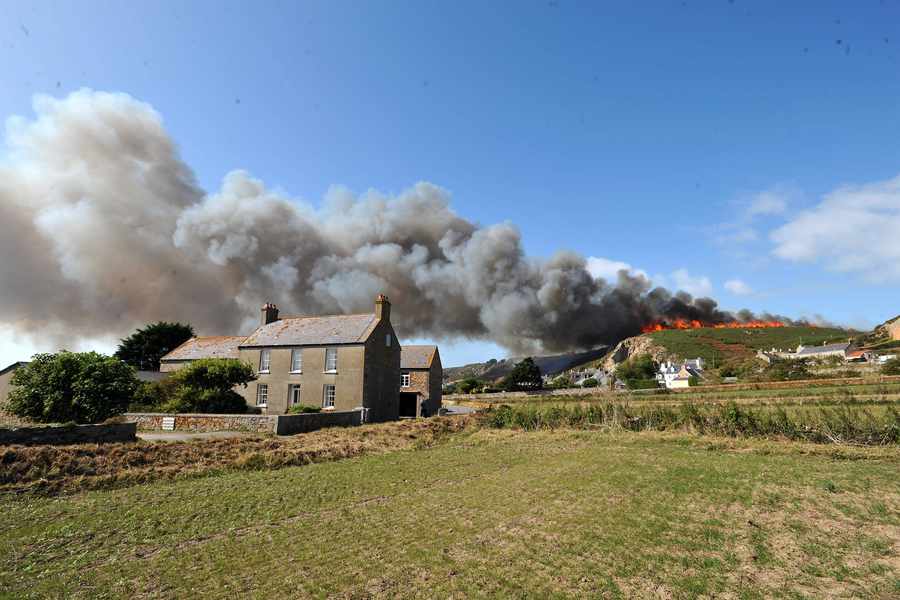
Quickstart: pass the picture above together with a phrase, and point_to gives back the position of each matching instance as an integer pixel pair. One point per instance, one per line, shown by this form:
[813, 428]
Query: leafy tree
[469, 385]
[526, 375]
[638, 372]
[891, 367]
[590, 382]
[787, 370]
[84, 387]
[143, 348]
[561, 382]
[205, 386]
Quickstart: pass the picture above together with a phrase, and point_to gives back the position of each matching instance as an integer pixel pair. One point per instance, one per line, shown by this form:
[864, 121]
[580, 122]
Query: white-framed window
[387, 340]
[331, 359]
[265, 357]
[404, 379]
[294, 397]
[328, 396]
[262, 394]
[296, 360]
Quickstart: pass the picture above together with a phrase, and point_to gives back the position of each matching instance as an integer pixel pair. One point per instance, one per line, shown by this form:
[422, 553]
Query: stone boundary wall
[69, 434]
[278, 424]
[291, 424]
[731, 387]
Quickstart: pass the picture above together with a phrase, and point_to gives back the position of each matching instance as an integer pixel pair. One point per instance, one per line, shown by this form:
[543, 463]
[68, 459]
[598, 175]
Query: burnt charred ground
[483, 513]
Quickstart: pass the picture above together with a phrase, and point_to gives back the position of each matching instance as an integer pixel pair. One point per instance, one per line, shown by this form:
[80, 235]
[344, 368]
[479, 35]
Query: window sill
[295, 372]
[331, 372]
[262, 406]
[327, 408]
[262, 372]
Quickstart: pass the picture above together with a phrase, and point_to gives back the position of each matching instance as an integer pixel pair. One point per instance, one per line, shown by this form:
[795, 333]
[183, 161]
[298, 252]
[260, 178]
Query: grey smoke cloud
[104, 228]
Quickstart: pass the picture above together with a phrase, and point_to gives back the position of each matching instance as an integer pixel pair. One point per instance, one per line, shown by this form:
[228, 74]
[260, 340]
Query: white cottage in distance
[673, 376]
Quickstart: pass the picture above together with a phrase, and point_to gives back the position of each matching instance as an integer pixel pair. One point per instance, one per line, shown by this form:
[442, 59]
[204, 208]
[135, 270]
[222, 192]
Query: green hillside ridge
[718, 345]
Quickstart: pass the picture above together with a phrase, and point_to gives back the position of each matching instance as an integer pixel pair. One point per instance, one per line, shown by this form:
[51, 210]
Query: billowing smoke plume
[104, 228]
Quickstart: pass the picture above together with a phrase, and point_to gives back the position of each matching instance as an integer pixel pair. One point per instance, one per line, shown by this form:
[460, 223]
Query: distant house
[421, 375]
[5, 376]
[859, 356]
[823, 351]
[678, 375]
[337, 362]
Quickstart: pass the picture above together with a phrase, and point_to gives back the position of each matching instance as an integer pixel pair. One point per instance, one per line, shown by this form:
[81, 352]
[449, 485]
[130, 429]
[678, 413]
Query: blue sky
[696, 141]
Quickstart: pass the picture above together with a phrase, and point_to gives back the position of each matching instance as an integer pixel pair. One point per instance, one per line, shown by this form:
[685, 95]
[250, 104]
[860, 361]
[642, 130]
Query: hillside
[883, 337]
[718, 345]
[495, 369]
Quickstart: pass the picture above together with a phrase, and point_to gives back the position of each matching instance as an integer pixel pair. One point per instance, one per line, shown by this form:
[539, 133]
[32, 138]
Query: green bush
[525, 376]
[590, 382]
[298, 409]
[205, 386]
[641, 384]
[469, 385]
[83, 387]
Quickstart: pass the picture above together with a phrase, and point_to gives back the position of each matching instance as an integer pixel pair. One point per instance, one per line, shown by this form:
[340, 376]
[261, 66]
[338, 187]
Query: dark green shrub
[205, 386]
[590, 382]
[525, 376]
[84, 387]
[891, 367]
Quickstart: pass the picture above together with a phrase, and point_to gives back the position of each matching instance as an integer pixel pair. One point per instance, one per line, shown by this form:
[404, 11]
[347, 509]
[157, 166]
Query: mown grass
[487, 513]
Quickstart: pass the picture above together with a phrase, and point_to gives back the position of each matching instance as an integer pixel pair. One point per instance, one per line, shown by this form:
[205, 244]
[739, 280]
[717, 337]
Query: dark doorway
[408, 402]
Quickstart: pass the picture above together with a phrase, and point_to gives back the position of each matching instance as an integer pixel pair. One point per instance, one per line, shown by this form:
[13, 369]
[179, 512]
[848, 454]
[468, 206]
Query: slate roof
[213, 346]
[810, 350]
[313, 331]
[416, 357]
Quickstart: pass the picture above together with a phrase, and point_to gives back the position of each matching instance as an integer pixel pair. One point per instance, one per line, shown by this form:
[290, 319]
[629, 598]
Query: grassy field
[717, 345]
[484, 514]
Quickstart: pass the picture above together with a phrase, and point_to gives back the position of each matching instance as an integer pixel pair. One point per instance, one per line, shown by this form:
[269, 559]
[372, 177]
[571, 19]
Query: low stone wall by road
[278, 424]
[204, 422]
[69, 434]
[290, 424]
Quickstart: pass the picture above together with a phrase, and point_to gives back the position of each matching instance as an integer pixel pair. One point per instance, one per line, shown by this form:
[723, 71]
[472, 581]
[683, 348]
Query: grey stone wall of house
[382, 374]
[69, 434]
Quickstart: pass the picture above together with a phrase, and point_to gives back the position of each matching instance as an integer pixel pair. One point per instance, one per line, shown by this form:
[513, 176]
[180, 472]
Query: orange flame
[693, 324]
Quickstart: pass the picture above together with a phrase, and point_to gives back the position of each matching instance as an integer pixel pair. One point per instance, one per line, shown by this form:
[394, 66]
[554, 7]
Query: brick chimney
[382, 308]
[269, 314]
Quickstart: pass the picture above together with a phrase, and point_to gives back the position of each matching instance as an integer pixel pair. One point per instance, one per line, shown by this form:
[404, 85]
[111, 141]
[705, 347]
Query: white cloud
[609, 269]
[738, 287]
[769, 202]
[693, 285]
[855, 229]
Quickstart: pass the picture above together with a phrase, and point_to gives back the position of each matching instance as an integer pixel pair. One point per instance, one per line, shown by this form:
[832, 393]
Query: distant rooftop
[810, 350]
[314, 331]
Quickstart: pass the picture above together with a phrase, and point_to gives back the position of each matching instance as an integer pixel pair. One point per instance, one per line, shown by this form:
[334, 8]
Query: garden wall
[278, 424]
[69, 434]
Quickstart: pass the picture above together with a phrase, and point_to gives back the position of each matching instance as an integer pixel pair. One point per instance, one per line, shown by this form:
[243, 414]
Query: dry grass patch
[60, 469]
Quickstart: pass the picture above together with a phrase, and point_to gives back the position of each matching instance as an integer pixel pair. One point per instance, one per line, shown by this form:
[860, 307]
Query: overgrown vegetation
[299, 409]
[80, 387]
[842, 424]
[891, 367]
[638, 372]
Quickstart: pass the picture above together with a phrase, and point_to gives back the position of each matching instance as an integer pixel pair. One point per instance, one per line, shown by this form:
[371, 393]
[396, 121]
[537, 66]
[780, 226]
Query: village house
[336, 362]
[672, 375]
[5, 377]
[420, 381]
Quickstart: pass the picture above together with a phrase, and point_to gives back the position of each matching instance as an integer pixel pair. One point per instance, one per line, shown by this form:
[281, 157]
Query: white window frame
[295, 387]
[333, 352]
[296, 360]
[325, 398]
[404, 380]
[265, 360]
[262, 391]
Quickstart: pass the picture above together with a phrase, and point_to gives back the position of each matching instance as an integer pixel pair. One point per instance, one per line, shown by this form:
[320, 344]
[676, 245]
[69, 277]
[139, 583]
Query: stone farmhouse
[5, 376]
[337, 362]
[420, 381]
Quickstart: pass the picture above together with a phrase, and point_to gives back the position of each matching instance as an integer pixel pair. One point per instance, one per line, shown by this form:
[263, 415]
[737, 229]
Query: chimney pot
[269, 314]
[382, 308]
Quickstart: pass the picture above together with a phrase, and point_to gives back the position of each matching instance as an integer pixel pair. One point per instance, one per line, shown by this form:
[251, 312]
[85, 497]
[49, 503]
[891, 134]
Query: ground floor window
[404, 379]
[294, 394]
[328, 396]
[262, 394]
